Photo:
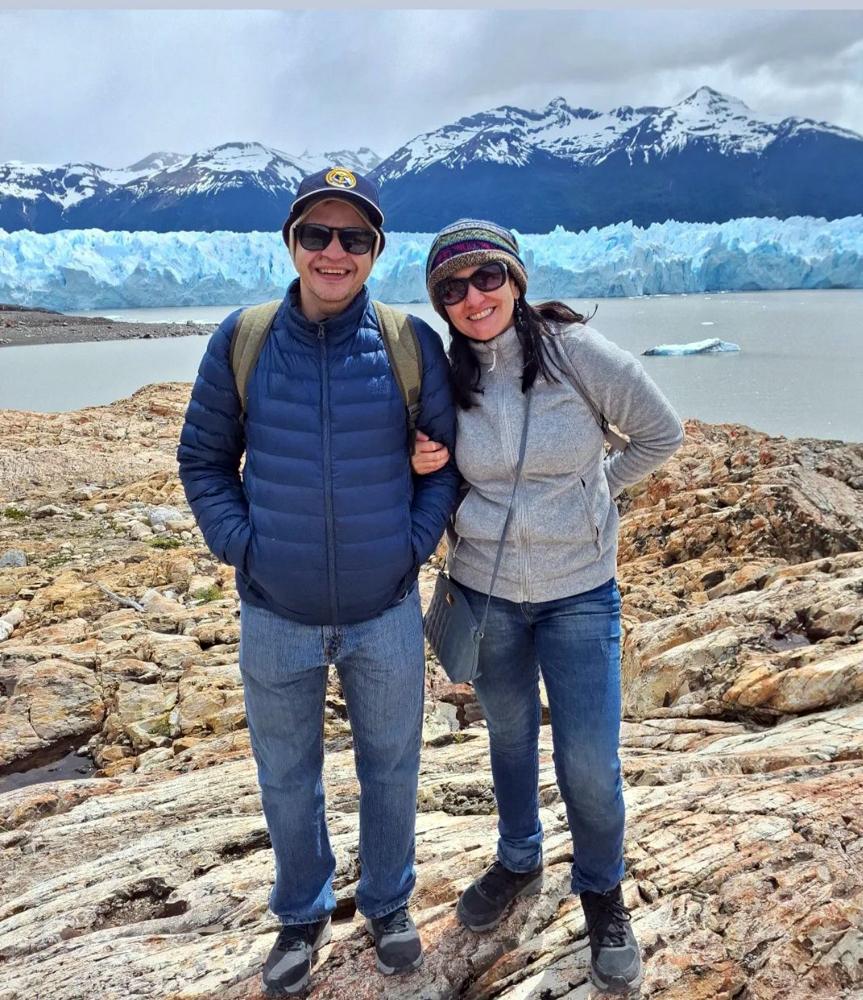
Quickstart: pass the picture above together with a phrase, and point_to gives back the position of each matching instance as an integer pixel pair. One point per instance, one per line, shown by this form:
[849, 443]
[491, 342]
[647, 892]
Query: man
[327, 530]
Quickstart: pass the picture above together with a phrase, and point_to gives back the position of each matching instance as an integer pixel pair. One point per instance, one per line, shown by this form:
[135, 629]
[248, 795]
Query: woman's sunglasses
[313, 236]
[486, 279]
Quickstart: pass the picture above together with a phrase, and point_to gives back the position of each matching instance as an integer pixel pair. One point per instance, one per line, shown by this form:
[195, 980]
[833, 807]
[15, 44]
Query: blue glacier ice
[713, 345]
[93, 269]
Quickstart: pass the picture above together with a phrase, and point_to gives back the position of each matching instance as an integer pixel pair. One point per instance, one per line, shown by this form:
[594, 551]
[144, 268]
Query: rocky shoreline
[29, 327]
[741, 572]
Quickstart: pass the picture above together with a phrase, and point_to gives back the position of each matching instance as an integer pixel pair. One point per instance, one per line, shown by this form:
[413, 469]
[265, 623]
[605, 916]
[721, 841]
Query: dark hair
[533, 326]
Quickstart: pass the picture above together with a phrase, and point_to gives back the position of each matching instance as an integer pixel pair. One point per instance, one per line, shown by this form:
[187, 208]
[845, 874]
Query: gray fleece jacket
[562, 538]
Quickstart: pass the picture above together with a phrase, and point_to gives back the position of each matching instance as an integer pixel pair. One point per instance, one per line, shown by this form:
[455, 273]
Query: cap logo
[341, 177]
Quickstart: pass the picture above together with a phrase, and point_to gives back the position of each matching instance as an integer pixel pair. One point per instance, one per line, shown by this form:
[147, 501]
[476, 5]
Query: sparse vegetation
[164, 542]
[14, 514]
[162, 726]
[205, 594]
[52, 562]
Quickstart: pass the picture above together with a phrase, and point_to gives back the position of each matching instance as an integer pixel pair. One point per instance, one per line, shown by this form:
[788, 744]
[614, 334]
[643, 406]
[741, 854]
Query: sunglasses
[313, 236]
[485, 279]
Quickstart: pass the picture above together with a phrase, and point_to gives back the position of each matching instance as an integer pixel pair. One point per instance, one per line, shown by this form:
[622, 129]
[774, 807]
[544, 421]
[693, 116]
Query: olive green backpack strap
[405, 356]
[250, 333]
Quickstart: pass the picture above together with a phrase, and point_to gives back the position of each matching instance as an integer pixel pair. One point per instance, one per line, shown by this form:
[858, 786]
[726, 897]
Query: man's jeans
[381, 667]
[575, 642]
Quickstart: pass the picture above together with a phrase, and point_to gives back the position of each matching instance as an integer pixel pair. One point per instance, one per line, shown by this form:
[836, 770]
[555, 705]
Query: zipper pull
[320, 331]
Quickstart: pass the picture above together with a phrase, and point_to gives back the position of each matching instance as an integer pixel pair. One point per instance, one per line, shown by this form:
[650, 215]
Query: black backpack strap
[250, 332]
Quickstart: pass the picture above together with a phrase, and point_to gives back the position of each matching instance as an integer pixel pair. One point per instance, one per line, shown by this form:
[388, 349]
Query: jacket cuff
[237, 547]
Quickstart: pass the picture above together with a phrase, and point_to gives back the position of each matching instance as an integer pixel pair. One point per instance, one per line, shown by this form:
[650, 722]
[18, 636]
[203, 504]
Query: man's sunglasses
[486, 279]
[313, 236]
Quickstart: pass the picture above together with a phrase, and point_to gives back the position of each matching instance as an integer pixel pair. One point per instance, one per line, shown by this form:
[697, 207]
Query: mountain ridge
[707, 158]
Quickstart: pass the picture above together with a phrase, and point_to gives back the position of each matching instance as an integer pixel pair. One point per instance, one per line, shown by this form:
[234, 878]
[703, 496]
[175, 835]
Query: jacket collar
[504, 347]
[336, 328]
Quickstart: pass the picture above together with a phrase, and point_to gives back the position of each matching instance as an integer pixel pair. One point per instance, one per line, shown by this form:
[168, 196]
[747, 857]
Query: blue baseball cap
[337, 182]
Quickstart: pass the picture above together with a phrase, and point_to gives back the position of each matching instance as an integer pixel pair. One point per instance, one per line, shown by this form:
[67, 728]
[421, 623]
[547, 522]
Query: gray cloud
[111, 86]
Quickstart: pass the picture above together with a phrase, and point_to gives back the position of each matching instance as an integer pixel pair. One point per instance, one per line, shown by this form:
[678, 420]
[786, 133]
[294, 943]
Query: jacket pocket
[479, 518]
[597, 501]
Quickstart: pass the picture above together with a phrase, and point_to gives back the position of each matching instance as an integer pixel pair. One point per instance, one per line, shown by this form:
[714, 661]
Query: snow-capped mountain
[156, 161]
[363, 160]
[708, 158]
[240, 186]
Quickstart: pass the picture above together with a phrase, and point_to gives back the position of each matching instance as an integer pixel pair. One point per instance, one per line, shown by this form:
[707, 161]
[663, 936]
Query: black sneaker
[288, 968]
[397, 943]
[615, 959]
[481, 906]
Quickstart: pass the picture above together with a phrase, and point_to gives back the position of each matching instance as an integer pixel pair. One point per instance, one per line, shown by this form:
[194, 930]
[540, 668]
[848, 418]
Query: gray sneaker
[615, 959]
[288, 968]
[397, 944]
[482, 905]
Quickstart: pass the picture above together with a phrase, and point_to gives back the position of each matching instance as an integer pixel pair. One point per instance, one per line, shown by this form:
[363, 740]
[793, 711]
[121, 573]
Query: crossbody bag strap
[615, 440]
[521, 451]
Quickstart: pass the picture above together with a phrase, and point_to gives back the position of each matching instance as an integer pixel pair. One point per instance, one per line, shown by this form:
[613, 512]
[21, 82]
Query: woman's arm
[428, 456]
[630, 400]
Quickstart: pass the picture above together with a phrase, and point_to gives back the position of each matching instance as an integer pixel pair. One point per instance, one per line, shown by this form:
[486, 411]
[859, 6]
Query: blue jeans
[575, 642]
[381, 667]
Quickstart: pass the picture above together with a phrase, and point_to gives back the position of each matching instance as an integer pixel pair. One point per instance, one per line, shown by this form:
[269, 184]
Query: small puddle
[779, 640]
[68, 767]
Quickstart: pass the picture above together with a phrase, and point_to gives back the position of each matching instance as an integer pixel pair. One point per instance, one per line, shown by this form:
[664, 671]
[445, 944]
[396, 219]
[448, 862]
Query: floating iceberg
[91, 269]
[713, 345]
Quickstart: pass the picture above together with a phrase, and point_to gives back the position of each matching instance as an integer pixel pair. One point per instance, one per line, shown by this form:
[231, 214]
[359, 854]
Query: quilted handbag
[453, 631]
[449, 624]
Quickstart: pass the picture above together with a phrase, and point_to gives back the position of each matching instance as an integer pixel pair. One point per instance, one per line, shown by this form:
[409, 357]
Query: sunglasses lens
[488, 278]
[356, 241]
[453, 290]
[313, 237]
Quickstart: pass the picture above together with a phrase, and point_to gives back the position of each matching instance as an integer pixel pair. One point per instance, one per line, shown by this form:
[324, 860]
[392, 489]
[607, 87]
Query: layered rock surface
[742, 742]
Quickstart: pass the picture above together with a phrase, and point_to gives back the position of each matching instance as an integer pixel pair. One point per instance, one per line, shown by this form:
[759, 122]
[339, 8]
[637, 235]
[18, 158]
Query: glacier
[91, 269]
[713, 345]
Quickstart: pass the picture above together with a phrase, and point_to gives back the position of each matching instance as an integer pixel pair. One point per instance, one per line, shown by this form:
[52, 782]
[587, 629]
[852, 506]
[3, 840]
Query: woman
[555, 607]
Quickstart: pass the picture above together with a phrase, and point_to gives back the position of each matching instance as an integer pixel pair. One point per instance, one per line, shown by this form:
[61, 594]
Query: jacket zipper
[520, 513]
[328, 475]
[518, 532]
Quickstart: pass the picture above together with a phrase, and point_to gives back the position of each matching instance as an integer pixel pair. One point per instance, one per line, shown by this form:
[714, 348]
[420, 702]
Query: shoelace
[610, 922]
[396, 922]
[497, 881]
[295, 936]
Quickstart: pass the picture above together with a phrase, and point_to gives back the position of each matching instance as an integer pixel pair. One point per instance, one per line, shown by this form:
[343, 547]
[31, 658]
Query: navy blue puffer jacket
[327, 525]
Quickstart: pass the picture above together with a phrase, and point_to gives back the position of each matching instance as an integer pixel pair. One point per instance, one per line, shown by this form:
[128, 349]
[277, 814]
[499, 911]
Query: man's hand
[428, 456]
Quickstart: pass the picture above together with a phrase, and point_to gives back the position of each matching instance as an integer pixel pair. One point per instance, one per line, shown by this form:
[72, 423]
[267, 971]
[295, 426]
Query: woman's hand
[428, 456]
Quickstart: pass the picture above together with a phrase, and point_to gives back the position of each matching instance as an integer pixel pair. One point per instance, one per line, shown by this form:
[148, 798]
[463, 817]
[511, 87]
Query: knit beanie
[469, 243]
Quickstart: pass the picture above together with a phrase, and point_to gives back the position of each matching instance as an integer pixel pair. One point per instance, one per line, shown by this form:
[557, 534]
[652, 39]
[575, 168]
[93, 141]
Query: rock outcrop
[742, 576]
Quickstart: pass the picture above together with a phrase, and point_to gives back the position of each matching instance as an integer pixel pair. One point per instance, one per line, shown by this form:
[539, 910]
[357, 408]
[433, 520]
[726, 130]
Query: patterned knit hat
[468, 243]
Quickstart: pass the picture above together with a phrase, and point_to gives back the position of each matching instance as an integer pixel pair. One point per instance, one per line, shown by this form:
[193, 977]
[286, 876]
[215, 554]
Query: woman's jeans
[575, 642]
[381, 667]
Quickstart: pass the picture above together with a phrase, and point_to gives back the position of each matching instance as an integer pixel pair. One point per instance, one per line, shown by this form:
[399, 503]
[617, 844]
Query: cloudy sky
[112, 86]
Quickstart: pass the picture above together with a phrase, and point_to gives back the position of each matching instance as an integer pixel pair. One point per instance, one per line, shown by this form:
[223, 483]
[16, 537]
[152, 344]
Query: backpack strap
[250, 332]
[403, 350]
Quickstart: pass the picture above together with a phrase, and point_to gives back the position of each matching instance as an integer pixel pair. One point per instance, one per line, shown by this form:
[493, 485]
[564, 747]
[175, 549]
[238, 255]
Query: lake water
[799, 371]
